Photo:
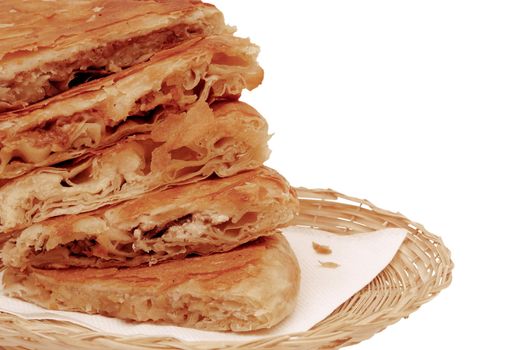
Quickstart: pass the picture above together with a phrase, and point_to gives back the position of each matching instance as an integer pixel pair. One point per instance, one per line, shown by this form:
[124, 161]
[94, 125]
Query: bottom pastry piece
[254, 286]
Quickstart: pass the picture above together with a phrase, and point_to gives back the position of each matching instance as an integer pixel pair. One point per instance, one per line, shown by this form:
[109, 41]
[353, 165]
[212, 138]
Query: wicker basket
[420, 270]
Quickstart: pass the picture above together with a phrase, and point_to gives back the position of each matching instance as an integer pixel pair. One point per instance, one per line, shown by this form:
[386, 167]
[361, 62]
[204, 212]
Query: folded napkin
[324, 287]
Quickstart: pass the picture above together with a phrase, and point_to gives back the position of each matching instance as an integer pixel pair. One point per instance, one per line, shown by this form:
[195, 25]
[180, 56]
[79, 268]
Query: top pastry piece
[47, 47]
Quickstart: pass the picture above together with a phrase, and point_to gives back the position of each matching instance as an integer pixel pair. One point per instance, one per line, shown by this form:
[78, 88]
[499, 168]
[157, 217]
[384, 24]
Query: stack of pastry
[131, 178]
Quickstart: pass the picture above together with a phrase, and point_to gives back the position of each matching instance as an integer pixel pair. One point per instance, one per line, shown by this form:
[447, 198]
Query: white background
[416, 106]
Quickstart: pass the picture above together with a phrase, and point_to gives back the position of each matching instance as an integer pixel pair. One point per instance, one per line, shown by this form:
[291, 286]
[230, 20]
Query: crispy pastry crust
[95, 114]
[45, 43]
[209, 216]
[179, 148]
[252, 287]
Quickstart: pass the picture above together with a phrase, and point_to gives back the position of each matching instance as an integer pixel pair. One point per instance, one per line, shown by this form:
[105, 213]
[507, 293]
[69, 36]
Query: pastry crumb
[321, 249]
[329, 264]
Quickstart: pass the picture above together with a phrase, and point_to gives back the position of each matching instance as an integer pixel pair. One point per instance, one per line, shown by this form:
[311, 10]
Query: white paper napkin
[360, 257]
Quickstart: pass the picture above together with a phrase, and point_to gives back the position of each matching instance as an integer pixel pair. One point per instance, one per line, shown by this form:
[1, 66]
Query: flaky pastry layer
[213, 215]
[99, 113]
[180, 148]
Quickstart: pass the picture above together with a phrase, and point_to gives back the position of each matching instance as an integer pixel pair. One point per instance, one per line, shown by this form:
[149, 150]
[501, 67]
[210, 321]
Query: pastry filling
[198, 233]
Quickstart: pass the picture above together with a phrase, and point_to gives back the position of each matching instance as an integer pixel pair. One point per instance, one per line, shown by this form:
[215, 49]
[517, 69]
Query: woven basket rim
[419, 271]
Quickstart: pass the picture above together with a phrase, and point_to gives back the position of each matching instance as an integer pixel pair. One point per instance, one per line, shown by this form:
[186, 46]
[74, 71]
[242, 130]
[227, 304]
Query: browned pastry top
[29, 26]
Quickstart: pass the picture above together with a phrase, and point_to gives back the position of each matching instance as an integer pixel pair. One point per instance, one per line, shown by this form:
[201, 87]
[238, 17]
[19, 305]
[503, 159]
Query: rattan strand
[420, 270]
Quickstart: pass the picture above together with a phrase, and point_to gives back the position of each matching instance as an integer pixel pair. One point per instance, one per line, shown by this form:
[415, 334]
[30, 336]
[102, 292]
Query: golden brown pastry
[213, 215]
[46, 47]
[252, 287]
[97, 114]
[179, 148]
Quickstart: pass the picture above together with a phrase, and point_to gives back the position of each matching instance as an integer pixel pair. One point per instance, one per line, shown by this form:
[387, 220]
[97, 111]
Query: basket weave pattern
[420, 270]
